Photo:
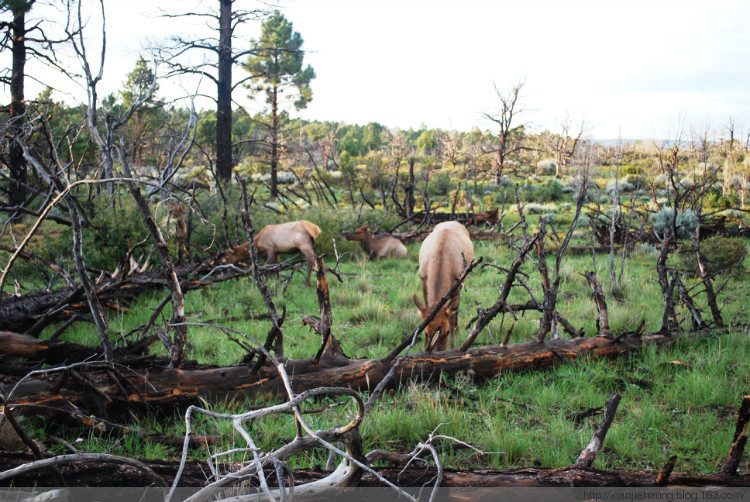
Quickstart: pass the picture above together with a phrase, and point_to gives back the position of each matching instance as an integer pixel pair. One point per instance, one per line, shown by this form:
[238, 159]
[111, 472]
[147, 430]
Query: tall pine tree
[276, 64]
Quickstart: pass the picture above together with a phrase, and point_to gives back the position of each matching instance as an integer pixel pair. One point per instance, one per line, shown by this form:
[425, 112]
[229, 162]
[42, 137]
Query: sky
[625, 69]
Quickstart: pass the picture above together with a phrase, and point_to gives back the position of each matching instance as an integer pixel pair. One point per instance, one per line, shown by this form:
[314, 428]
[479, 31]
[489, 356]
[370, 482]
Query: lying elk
[442, 258]
[377, 247]
[273, 240]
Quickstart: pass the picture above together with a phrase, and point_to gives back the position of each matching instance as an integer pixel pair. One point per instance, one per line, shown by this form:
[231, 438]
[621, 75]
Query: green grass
[521, 419]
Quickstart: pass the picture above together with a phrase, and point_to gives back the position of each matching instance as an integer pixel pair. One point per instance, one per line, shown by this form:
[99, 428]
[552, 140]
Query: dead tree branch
[485, 316]
[734, 457]
[587, 456]
[601, 303]
[94, 458]
[458, 284]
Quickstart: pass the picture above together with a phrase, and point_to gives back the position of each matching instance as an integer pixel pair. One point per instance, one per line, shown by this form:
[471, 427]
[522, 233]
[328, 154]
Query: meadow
[676, 401]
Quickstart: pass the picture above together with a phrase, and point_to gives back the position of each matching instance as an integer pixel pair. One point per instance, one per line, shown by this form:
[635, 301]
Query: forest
[598, 319]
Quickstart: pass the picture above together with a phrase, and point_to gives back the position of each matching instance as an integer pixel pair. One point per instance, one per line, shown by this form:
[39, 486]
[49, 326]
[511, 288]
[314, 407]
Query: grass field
[681, 400]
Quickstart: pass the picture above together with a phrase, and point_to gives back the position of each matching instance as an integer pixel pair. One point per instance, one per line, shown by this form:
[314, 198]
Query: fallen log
[32, 312]
[195, 475]
[20, 313]
[488, 217]
[565, 477]
[53, 351]
[166, 388]
[56, 351]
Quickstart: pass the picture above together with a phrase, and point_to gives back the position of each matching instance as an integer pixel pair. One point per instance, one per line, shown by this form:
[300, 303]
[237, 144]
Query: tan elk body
[442, 257]
[377, 247]
[284, 238]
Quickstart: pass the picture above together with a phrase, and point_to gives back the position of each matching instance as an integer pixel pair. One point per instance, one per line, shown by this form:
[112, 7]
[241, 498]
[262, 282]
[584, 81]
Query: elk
[377, 247]
[442, 258]
[284, 238]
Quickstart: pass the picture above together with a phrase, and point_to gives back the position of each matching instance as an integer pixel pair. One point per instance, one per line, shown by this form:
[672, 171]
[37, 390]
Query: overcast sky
[630, 69]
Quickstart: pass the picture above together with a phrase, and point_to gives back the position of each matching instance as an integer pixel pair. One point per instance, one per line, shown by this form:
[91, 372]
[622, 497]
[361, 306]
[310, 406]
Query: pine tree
[277, 65]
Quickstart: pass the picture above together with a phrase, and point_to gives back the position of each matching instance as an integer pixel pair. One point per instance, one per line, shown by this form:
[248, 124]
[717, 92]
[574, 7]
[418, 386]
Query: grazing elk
[442, 258]
[273, 240]
[377, 247]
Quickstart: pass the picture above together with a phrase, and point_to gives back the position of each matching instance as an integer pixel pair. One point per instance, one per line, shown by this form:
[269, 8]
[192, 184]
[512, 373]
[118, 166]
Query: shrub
[106, 239]
[721, 254]
[441, 184]
[622, 186]
[661, 181]
[631, 169]
[282, 177]
[637, 181]
[648, 249]
[715, 200]
[550, 191]
[534, 208]
[546, 166]
[686, 223]
[212, 234]
[550, 218]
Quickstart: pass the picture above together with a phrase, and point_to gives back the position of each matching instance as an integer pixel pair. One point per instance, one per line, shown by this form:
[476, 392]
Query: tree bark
[173, 281]
[274, 143]
[601, 302]
[17, 162]
[224, 94]
[19, 314]
[166, 387]
[194, 475]
[588, 455]
[734, 457]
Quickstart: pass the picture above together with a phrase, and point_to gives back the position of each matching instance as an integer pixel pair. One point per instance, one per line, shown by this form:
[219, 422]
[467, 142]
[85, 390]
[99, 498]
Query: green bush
[441, 184]
[720, 253]
[686, 223]
[633, 169]
[552, 190]
[211, 235]
[715, 200]
[111, 231]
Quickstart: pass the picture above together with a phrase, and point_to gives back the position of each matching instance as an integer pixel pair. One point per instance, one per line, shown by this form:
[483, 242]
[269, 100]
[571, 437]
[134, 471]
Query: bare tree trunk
[409, 198]
[173, 282]
[88, 285]
[706, 277]
[86, 282]
[224, 94]
[274, 144]
[550, 291]
[16, 161]
[669, 319]
[601, 303]
[739, 441]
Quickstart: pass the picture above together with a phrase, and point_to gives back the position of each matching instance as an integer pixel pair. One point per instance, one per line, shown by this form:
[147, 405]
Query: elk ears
[422, 309]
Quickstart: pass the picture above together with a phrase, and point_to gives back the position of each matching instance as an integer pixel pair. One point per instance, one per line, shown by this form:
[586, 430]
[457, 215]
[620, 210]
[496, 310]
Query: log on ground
[168, 387]
[195, 475]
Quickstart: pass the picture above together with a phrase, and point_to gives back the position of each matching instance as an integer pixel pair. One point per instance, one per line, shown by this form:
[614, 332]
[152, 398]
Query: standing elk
[377, 247]
[442, 258]
[284, 238]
